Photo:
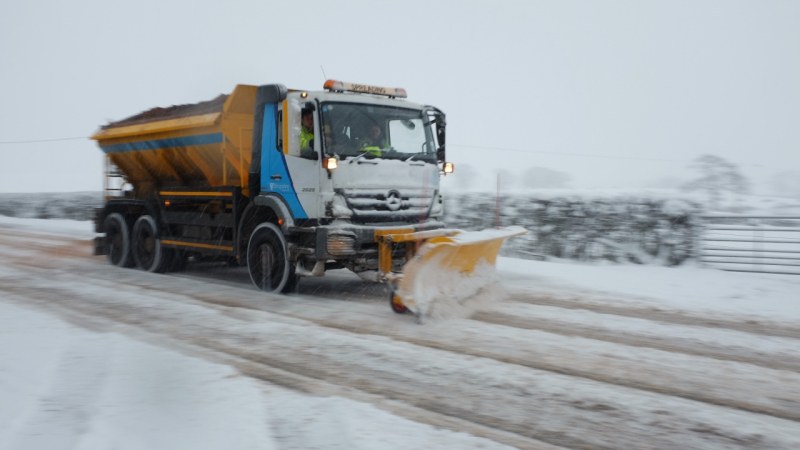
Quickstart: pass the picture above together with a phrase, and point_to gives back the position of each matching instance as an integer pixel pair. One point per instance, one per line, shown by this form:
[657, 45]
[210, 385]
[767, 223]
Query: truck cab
[371, 165]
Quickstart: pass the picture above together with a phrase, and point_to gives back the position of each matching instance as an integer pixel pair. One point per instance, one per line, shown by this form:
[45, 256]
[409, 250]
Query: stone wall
[625, 229]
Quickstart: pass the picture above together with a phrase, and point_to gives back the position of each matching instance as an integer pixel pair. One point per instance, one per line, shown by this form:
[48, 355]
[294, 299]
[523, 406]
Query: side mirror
[440, 135]
[435, 118]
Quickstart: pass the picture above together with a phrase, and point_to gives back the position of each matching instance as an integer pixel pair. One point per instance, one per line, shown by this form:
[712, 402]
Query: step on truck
[288, 183]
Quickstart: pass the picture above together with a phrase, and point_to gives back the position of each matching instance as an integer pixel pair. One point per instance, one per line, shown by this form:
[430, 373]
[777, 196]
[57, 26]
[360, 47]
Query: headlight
[341, 244]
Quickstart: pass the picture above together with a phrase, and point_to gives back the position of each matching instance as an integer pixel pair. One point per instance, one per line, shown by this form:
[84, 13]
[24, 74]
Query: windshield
[376, 131]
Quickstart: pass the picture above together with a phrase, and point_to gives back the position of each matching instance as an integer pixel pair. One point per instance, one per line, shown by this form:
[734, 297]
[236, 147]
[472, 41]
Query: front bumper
[358, 242]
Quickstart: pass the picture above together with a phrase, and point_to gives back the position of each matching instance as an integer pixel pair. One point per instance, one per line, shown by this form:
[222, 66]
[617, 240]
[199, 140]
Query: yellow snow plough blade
[452, 265]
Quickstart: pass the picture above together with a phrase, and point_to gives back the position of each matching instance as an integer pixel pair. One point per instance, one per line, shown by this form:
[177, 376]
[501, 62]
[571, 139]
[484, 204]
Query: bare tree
[716, 177]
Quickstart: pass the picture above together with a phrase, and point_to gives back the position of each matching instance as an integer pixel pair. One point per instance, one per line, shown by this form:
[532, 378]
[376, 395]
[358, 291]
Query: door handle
[276, 177]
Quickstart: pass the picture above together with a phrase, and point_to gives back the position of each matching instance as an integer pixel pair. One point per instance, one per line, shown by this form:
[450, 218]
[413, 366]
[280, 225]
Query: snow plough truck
[288, 183]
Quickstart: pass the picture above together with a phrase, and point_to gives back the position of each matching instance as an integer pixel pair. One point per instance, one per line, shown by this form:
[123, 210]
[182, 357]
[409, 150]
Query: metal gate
[763, 244]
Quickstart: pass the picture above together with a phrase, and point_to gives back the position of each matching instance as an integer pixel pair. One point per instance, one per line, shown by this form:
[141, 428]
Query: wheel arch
[263, 209]
[266, 238]
[130, 209]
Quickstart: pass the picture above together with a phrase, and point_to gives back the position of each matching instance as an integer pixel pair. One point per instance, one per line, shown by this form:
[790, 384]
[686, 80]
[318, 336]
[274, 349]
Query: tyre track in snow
[601, 331]
[55, 245]
[532, 322]
[361, 321]
[557, 409]
[642, 312]
[629, 367]
[253, 363]
[274, 371]
[293, 372]
[759, 389]
[64, 246]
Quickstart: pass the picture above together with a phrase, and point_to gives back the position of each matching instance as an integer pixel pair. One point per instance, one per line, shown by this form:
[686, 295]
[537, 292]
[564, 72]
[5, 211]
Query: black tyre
[268, 260]
[147, 251]
[117, 240]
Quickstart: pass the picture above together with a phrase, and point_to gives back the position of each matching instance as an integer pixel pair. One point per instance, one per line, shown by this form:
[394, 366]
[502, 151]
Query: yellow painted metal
[408, 235]
[385, 239]
[161, 126]
[171, 151]
[195, 194]
[384, 256]
[226, 248]
[451, 251]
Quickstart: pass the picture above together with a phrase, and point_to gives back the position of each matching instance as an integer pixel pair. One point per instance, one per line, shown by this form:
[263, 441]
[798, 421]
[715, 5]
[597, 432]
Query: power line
[584, 155]
[480, 147]
[34, 141]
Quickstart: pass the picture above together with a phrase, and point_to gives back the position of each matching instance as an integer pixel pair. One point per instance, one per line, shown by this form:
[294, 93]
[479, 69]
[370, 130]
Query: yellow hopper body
[208, 144]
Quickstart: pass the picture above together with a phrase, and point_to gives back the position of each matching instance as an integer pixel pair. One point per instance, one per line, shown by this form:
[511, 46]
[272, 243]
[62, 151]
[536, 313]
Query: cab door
[303, 164]
[284, 172]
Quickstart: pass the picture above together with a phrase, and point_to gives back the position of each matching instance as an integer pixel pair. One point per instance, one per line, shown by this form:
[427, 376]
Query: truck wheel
[147, 250]
[117, 241]
[268, 260]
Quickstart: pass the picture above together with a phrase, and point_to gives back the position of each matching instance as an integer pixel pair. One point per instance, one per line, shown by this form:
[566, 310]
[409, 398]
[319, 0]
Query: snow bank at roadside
[77, 228]
[745, 296]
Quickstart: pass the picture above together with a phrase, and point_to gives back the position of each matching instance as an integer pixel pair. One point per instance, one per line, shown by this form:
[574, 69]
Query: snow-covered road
[551, 362]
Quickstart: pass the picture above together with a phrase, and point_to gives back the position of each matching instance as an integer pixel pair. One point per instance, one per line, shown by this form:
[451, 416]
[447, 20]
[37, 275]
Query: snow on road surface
[68, 388]
[568, 355]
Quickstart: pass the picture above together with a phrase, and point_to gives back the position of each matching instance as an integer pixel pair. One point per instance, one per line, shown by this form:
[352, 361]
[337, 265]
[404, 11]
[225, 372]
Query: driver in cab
[374, 141]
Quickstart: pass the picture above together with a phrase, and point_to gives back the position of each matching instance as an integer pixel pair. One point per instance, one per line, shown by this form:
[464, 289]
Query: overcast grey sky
[614, 93]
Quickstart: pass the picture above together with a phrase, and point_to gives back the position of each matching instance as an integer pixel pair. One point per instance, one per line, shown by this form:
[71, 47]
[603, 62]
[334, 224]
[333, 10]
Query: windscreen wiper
[358, 157]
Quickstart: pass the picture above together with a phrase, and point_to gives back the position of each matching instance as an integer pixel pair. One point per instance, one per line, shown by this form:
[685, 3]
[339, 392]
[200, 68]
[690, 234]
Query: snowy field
[557, 355]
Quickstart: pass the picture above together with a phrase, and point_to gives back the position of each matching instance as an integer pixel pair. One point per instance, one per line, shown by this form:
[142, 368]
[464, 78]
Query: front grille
[389, 204]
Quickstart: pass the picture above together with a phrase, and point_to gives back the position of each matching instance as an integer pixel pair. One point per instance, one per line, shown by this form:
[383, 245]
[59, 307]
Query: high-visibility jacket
[306, 137]
[372, 150]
